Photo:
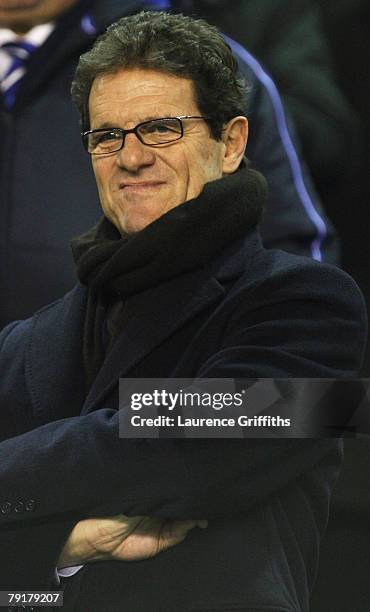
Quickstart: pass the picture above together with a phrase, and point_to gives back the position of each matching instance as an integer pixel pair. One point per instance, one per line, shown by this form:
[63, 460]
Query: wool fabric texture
[115, 266]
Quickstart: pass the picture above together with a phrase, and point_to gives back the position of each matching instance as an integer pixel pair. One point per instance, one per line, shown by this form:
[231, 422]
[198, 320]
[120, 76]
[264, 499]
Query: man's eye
[107, 137]
[162, 127]
[104, 141]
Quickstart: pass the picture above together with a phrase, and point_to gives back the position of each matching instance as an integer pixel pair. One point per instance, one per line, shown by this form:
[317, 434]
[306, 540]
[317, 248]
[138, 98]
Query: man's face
[139, 183]
[22, 15]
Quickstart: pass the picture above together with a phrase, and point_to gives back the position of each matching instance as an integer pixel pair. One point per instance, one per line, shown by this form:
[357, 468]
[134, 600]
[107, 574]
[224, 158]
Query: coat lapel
[154, 315]
[54, 363]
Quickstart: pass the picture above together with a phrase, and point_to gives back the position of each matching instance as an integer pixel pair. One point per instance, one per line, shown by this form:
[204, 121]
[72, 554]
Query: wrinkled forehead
[136, 94]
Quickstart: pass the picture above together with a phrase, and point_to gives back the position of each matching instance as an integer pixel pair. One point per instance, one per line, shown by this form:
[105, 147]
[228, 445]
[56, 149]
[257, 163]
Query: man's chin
[132, 224]
[137, 214]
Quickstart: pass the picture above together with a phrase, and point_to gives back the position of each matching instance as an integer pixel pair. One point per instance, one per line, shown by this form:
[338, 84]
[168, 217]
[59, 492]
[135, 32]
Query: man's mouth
[140, 185]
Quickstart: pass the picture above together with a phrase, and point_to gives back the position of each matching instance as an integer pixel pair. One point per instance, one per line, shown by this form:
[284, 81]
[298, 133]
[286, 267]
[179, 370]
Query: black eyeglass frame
[135, 130]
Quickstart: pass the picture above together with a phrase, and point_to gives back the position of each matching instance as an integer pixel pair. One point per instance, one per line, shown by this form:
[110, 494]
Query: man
[174, 283]
[48, 190]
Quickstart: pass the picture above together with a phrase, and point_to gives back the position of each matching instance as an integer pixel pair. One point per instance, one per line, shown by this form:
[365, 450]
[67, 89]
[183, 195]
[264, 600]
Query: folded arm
[86, 470]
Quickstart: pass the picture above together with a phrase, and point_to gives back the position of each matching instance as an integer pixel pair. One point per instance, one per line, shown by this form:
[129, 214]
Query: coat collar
[54, 360]
[157, 313]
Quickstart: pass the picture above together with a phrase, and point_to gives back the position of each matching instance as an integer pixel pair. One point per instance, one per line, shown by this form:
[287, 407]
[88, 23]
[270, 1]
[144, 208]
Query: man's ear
[234, 136]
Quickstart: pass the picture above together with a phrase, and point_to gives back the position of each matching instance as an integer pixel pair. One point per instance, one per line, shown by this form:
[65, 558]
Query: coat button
[30, 505]
[19, 506]
[6, 508]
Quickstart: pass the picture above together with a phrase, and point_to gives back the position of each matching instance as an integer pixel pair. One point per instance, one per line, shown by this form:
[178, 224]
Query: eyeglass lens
[155, 132]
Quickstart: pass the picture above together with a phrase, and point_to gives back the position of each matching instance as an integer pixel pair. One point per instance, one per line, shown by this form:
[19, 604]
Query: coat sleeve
[79, 466]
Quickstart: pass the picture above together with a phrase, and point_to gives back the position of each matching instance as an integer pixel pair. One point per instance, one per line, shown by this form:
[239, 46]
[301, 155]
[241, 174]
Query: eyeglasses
[152, 133]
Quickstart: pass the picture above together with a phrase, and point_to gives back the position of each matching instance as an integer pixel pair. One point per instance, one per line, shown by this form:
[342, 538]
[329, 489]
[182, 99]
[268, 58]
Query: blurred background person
[288, 38]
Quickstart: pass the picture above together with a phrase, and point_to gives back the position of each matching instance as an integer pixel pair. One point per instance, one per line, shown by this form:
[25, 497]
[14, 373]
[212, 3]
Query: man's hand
[122, 538]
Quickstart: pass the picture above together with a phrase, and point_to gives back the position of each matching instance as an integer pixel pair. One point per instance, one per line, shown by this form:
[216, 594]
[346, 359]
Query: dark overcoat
[249, 313]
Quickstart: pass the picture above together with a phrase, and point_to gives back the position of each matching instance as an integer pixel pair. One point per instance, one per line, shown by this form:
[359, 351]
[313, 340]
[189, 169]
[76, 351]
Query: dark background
[347, 26]
[345, 558]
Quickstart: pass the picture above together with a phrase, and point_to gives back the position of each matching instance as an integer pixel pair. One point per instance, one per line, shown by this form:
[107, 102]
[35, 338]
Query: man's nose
[134, 154]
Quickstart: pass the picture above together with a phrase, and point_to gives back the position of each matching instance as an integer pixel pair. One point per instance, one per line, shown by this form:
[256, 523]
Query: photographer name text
[181, 421]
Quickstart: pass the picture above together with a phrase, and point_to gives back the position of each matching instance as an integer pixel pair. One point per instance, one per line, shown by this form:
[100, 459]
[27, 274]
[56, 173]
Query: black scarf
[114, 267]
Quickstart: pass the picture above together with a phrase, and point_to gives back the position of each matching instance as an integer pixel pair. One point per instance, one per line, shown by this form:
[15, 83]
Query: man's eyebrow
[105, 125]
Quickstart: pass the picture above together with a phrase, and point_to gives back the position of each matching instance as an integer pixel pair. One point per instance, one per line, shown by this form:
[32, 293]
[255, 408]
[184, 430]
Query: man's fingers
[117, 526]
[174, 532]
[179, 527]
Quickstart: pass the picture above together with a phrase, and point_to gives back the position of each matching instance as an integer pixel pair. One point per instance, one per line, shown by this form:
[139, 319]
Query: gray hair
[173, 44]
